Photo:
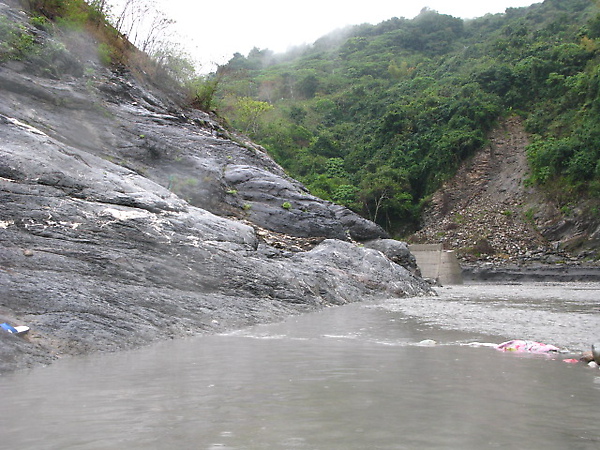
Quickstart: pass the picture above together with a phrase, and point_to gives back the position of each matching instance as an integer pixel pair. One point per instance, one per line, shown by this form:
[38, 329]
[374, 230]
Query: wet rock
[124, 221]
[357, 227]
[281, 205]
[396, 251]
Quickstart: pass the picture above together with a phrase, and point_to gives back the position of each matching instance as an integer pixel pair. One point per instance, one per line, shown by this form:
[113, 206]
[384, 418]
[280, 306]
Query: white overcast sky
[215, 30]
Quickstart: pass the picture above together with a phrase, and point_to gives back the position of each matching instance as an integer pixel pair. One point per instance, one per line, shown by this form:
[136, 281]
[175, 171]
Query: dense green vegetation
[376, 117]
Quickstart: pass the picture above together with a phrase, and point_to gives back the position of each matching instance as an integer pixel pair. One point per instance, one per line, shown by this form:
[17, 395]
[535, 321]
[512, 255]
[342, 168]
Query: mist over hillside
[378, 117]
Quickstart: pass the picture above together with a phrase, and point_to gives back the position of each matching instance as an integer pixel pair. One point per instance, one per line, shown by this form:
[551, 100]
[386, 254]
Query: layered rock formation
[125, 219]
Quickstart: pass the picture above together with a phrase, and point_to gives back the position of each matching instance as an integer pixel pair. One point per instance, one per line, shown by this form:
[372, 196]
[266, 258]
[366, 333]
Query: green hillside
[376, 117]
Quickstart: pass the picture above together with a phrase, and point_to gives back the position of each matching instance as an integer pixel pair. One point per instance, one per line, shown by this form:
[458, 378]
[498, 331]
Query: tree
[401, 71]
[249, 111]
[384, 191]
[144, 24]
[326, 145]
[345, 194]
[400, 105]
[307, 86]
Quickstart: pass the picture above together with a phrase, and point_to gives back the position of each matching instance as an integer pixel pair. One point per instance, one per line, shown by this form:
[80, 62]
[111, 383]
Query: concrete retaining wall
[437, 264]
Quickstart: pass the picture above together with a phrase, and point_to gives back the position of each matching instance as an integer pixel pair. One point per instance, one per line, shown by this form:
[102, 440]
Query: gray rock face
[397, 252]
[125, 219]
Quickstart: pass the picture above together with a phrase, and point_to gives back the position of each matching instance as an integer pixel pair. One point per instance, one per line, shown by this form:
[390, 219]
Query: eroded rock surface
[125, 219]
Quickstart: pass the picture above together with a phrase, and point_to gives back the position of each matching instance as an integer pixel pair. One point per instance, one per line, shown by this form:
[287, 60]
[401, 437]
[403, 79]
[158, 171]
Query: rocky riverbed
[127, 218]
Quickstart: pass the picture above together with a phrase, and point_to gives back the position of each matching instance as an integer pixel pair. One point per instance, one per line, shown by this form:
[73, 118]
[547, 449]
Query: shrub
[15, 40]
[105, 54]
[203, 93]
[71, 13]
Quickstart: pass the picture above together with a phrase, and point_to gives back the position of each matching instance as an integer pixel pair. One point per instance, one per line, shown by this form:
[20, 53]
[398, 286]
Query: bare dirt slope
[488, 213]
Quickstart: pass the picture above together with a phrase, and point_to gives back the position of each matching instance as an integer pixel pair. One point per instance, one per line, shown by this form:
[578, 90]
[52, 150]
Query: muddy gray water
[353, 377]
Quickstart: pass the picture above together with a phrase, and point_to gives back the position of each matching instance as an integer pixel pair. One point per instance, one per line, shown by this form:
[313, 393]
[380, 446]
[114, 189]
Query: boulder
[397, 252]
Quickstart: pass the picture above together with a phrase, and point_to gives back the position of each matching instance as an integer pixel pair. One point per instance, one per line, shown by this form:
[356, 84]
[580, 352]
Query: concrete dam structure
[437, 264]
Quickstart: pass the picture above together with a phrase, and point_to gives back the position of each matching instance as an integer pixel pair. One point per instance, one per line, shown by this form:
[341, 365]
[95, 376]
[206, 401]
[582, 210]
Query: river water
[351, 377]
